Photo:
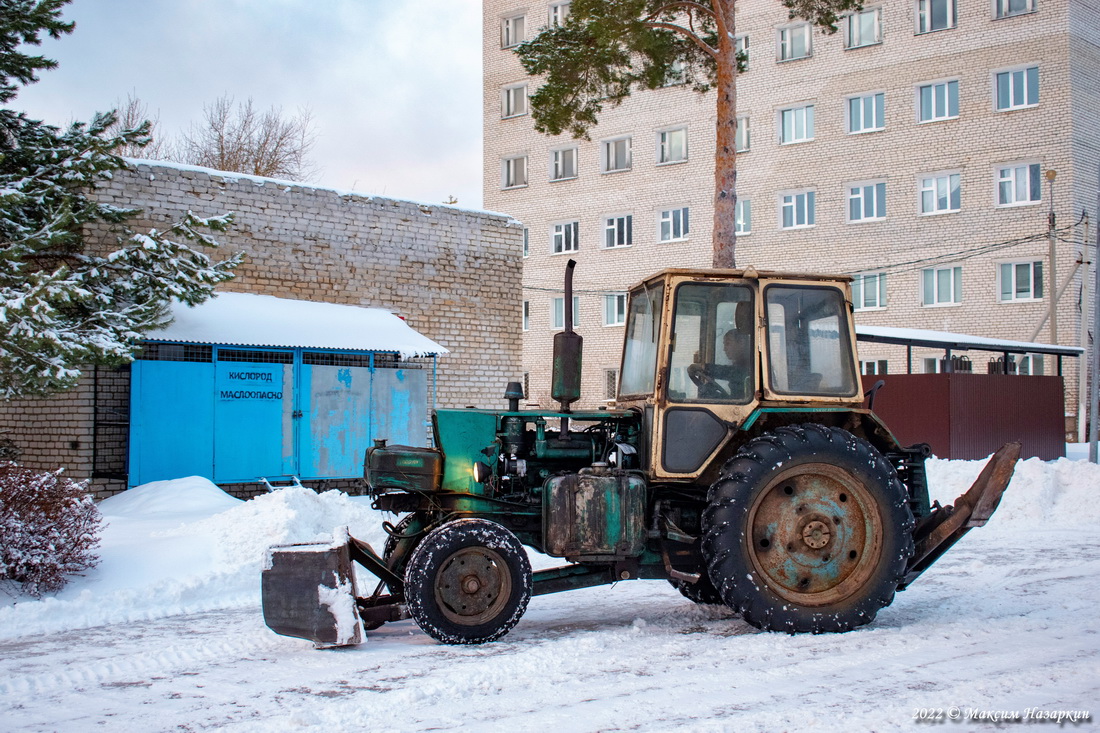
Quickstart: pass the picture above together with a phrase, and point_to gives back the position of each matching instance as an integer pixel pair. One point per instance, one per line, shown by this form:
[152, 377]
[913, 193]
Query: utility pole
[1053, 272]
[1094, 392]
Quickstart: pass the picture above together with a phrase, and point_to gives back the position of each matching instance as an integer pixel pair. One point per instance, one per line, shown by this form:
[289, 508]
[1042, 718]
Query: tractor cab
[707, 351]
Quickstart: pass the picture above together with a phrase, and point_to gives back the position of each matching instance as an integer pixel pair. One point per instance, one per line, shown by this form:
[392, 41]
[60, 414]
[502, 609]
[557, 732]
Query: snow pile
[1060, 493]
[185, 546]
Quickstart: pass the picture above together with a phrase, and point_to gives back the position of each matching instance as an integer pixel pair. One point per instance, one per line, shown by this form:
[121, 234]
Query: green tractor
[739, 464]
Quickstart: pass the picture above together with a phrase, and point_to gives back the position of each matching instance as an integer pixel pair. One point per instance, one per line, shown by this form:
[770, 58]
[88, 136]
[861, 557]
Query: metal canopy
[958, 341]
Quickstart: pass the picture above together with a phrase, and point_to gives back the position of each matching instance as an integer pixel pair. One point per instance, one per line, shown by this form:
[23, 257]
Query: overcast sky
[394, 85]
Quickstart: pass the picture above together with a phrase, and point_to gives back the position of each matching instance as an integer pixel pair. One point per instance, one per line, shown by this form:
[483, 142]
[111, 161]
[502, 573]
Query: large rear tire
[702, 591]
[468, 582]
[808, 529]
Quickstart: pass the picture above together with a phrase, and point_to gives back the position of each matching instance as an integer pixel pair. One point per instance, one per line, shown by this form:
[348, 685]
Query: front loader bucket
[936, 533]
[308, 592]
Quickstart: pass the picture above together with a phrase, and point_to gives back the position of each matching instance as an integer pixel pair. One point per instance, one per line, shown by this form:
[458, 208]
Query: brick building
[909, 149]
[452, 274]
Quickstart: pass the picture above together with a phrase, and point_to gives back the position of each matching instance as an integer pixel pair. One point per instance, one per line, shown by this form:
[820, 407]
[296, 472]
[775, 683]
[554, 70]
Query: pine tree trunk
[725, 164]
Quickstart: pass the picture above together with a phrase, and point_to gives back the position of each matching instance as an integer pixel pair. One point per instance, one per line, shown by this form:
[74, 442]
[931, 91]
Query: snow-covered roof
[245, 319]
[958, 341]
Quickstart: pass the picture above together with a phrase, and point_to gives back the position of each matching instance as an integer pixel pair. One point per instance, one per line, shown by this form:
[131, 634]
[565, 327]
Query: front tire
[468, 582]
[808, 529]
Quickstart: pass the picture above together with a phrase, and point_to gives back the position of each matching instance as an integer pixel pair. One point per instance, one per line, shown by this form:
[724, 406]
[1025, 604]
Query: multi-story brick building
[909, 149]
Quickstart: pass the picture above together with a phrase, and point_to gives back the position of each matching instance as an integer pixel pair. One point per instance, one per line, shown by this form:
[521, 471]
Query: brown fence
[969, 416]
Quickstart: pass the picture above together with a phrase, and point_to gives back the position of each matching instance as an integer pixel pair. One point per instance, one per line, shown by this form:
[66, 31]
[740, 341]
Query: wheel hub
[473, 586]
[816, 534]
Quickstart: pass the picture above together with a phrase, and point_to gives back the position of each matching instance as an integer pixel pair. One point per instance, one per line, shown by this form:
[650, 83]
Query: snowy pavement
[167, 635]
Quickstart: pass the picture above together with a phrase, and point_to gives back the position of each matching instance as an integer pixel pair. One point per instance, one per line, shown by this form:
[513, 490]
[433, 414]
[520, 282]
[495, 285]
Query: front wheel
[808, 529]
[468, 582]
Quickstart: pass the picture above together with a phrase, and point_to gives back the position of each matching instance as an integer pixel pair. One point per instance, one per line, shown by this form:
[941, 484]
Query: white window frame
[513, 30]
[742, 226]
[873, 366]
[791, 119]
[557, 13]
[513, 101]
[614, 309]
[870, 197]
[618, 231]
[1025, 74]
[677, 74]
[526, 242]
[853, 37]
[565, 236]
[557, 311]
[789, 202]
[674, 224]
[1024, 189]
[667, 146]
[953, 281]
[1026, 365]
[741, 45]
[610, 145]
[788, 35]
[513, 172]
[558, 167]
[1032, 266]
[742, 136]
[526, 315]
[863, 285]
[935, 184]
[925, 16]
[935, 98]
[1002, 9]
[856, 111]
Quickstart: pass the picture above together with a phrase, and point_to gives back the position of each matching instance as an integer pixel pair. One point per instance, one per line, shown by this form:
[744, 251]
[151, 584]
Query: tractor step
[936, 533]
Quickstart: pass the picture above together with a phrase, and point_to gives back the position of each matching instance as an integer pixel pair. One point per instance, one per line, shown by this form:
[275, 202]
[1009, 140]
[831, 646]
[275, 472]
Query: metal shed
[250, 387]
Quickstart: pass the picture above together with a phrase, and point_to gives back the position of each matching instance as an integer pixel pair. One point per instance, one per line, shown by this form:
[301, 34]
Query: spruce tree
[64, 305]
[607, 48]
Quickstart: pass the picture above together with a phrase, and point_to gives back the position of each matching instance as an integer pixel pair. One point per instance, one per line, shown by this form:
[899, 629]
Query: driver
[740, 357]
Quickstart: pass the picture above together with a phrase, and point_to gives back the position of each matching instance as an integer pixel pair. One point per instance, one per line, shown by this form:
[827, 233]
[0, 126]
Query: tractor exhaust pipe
[568, 345]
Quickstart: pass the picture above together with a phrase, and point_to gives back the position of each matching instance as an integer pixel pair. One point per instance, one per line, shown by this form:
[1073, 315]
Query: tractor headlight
[481, 472]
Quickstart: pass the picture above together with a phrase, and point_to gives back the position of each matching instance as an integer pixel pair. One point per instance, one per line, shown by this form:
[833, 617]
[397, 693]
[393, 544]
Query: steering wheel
[708, 388]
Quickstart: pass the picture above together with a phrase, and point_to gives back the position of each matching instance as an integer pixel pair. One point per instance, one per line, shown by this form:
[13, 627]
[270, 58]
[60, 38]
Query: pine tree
[63, 306]
[605, 49]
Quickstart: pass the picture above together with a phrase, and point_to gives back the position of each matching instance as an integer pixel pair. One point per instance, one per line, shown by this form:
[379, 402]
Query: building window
[526, 315]
[798, 210]
[557, 312]
[513, 101]
[931, 365]
[741, 136]
[672, 146]
[1018, 88]
[674, 224]
[1018, 185]
[741, 48]
[796, 125]
[794, 42]
[935, 15]
[869, 291]
[743, 217]
[864, 28]
[867, 202]
[939, 101]
[619, 231]
[563, 164]
[514, 172]
[611, 383]
[616, 155]
[558, 13]
[940, 194]
[1029, 365]
[1005, 8]
[1021, 281]
[526, 241]
[874, 367]
[867, 113]
[677, 73]
[941, 285]
[566, 237]
[511, 31]
[614, 309]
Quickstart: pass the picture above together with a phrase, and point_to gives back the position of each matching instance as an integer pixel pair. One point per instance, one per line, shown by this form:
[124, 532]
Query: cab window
[712, 358]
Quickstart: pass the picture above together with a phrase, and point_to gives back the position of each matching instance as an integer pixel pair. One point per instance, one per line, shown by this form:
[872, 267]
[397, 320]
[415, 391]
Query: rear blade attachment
[936, 533]
[308, 592]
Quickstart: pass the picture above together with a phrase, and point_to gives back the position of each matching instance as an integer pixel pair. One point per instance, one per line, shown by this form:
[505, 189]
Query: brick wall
[453, 274]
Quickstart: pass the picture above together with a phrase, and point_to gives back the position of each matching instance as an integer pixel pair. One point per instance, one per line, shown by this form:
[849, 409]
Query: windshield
[643, 325]
[809, 347]
[713, 358]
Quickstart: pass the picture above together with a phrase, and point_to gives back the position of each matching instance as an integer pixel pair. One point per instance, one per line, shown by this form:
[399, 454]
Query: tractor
[739, 463]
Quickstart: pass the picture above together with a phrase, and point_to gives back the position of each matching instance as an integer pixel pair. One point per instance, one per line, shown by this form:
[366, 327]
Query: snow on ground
[166, 634]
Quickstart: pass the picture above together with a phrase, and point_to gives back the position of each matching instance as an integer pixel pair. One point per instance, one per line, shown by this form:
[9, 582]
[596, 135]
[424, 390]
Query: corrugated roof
[244, 319]
[958, 341]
